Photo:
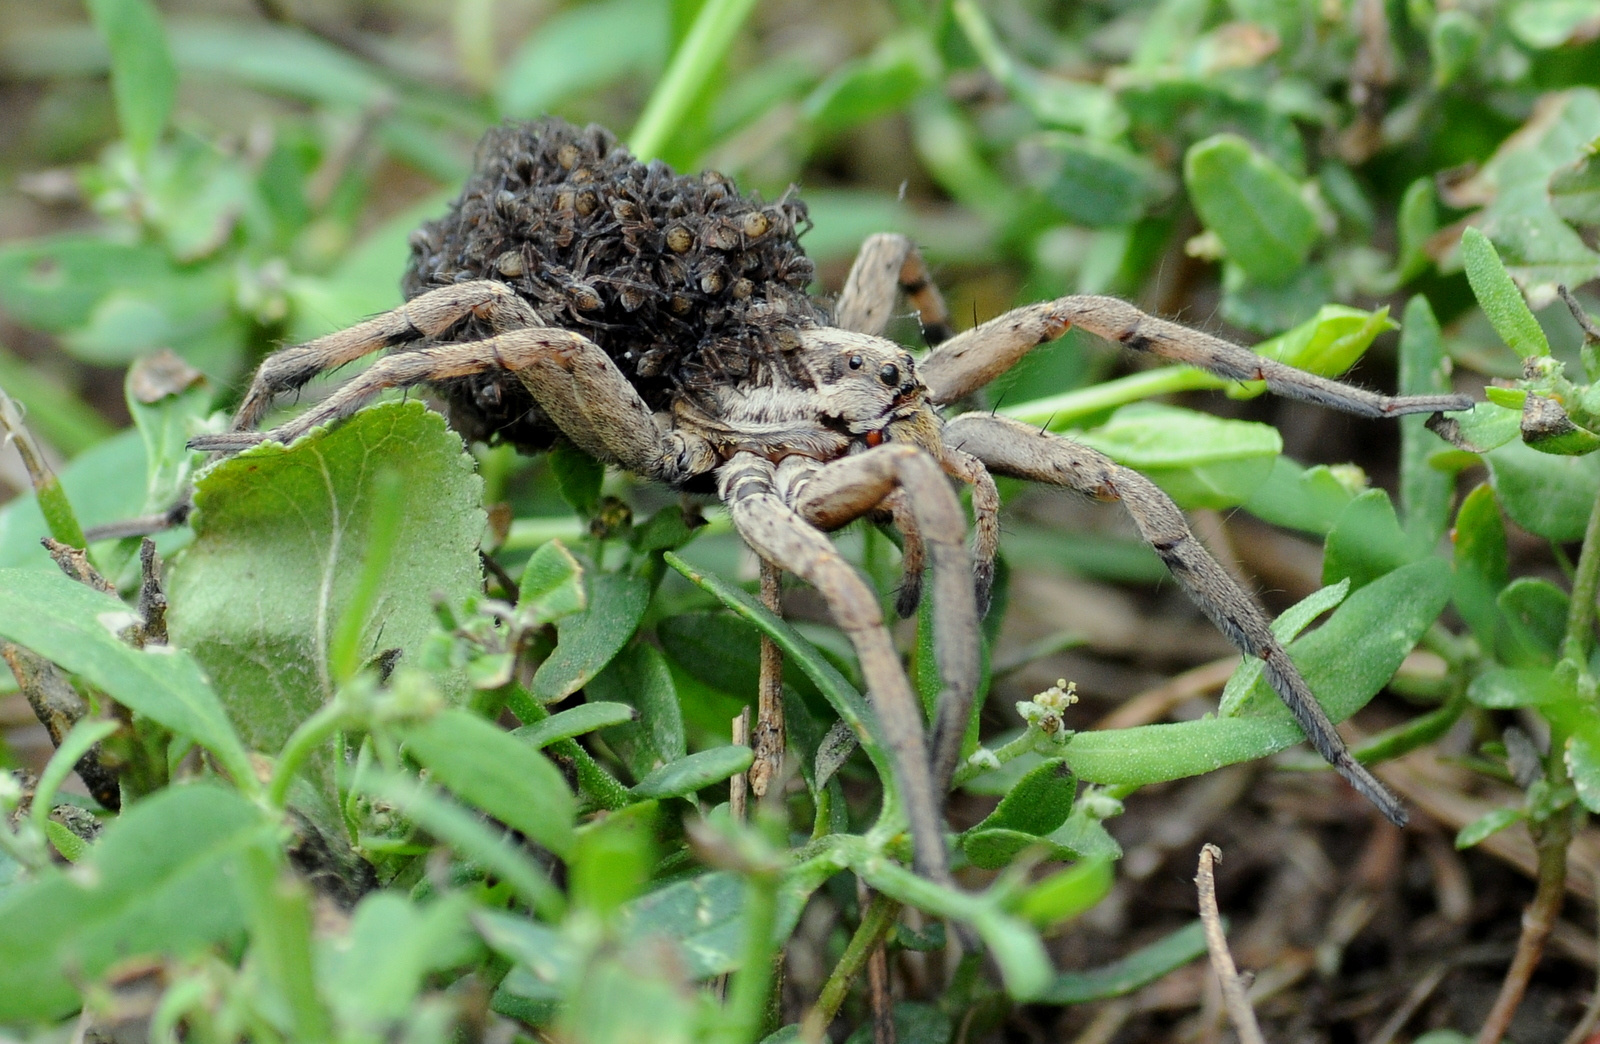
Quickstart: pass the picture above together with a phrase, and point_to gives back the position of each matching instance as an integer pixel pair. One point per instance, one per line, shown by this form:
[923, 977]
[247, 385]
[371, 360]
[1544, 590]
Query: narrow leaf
[1499, 297]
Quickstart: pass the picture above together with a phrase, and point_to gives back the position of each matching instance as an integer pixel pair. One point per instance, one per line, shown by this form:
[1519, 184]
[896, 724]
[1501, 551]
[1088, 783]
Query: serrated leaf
[1198, 459]
[587, 641]
[685, 776]
[1384, 620]
[76, 627]
[1252, 205]
[496, 772]
[1547, 495]
[161, 880]
[281, 534]
[1488, 823]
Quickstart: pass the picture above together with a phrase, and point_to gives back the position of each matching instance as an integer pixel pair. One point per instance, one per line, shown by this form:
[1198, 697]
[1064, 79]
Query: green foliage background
[1300, 169]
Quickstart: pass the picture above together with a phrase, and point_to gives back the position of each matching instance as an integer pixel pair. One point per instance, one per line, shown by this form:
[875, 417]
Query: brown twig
[769, 740]
[1233, 996]
[1551, 839]
[739, 785]
[878, 998]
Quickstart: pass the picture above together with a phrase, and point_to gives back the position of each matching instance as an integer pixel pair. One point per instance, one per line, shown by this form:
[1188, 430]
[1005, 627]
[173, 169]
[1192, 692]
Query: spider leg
[1011, 448]
[975, 357]
[748, 484]
[575, 382]
[426, 315]
[889, 262]
[844, 490]
[913, 554]
[985, 519]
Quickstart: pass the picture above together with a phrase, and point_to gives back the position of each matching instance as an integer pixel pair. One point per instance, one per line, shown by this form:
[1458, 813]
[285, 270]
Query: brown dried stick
[1233, 996]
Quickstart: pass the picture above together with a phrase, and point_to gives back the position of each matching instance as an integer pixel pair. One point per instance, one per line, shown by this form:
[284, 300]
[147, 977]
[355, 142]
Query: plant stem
[597, 784]
[1059, 411]
[305, 739]
[752, 983]
[696, 59]
[879, 917]
[1585, 585]
[1550, 838]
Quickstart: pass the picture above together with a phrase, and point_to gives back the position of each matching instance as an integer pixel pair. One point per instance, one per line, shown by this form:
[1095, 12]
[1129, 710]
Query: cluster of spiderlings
[682, 280]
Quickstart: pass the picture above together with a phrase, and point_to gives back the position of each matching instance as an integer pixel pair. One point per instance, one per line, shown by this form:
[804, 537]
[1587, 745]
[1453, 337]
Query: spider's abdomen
[683, 281]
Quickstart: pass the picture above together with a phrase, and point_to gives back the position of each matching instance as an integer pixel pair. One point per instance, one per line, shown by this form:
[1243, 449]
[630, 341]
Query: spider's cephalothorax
[660, 324]
[683, 281]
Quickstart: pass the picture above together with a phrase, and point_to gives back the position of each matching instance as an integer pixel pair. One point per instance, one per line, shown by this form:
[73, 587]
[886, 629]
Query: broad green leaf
[77, 627]
[682, 778]
[1286, 628]
[611, 862]
[168, 401]
[1425, 491]
[1418, 220]
[104, 484]
[1481, 569]
[143, 77]
[371, 974]
[614, 38]
[1535, 611]
[995, 848]
[1487, 426]
[587, 641]
[1139, 968]
[582, 719]
[1384, 620]
[281, 537]
[1307, 499]
[1067, 893]
[552, 585]
[1038, 803]
[1092, 183]
[1575, 190]
[1505, 688]
[914, 1023]
[1499, 297]
[547, 961]
[161, 880]
[1329, 343]
[704, 917]
[1546, 495]
[640, 678]
[1454, 38]
[1252, 205]
[866, 88]
[578, 476]
[1488, 823]
[1198, 459]
[499, 773]
[1582, 755]
[1551, 23]
[1366, 542]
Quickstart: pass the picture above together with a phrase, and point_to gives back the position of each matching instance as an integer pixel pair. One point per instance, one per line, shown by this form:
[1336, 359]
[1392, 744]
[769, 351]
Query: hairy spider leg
[975, 357]
[888, 262]
[1012, 448]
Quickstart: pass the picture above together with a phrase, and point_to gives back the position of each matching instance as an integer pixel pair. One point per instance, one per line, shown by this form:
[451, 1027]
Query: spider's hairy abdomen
[684, 282]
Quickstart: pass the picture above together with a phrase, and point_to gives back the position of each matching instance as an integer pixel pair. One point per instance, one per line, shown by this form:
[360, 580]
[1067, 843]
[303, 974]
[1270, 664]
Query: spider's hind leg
[887, 264]
[1011, 448]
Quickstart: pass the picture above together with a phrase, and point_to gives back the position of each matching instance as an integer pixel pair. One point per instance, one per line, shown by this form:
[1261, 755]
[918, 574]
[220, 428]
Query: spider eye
[890, 374]
[855, 362]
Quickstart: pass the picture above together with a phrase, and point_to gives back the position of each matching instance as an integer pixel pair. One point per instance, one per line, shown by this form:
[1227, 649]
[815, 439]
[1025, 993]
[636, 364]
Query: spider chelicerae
[661, 323]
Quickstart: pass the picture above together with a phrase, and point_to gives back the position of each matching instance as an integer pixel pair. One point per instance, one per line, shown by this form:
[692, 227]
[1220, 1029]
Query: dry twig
[1233, 996]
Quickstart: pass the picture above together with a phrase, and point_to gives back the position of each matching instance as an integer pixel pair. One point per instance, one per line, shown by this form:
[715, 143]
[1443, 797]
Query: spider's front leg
[778, 508]
[1012, 448]
[975, 357]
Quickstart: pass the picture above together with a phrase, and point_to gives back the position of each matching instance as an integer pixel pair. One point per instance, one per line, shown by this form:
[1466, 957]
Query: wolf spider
[660, 323]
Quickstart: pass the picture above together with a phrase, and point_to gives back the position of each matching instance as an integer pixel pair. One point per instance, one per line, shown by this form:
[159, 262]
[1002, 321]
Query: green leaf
[1582, 755]
[702, 915]
[866, 88]
[1038, 803]
[914, 1023]
[1575, 189]
[615, 38]
[1141, 967]
[1481, 569]
[281, 540]
[144, 79]
[1067, 893]
[685, 776]
[587, 641]
[552, 585]
[1329, 343]
[76, 627]
[1499, 297]
[613, 857]
[1506, 688]
[496, 772]
[1488, 823]
[1550, 23]
[1487, 426]
[104, 484]
[1307, 499]
[578, 476]
[1198, 459]
[1547, 495]
[588, 717]
[639, 678]
[1286, 628]
[1252, 205]
[1417, 221]
[161, 880]
[372, 975]
[1384, 620]
[1425, 491]
[78, 741]
[995, 848]
[1366, 542]
[1535, 611]
[1092, 183]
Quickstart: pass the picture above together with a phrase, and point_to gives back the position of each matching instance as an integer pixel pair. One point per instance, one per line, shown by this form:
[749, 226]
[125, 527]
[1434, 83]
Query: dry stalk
[1233, 993]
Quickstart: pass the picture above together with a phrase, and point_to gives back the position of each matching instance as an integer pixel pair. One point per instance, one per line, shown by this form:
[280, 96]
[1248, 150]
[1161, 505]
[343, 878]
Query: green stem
[745, 1014]
[1023, 744]
[303, 742]
[1424, 729]
[696, 59]
[597, 784]
[53, 503]
[880, 916]
[1059, 411]
[1585, 585]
